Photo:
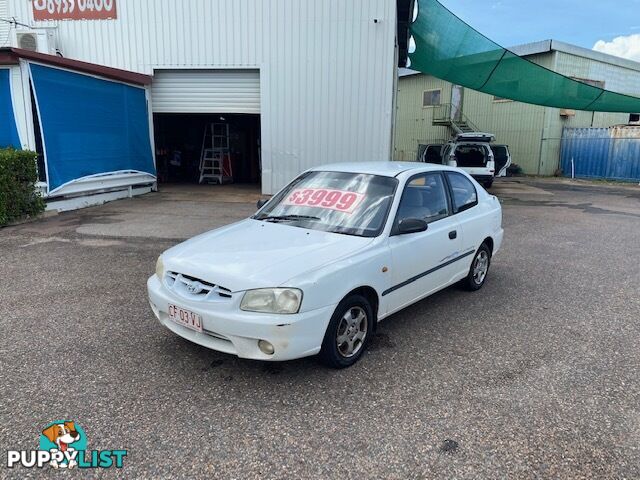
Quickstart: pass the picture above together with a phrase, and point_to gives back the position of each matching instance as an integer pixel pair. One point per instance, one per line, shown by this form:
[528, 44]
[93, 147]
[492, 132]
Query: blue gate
[8, 131]
[607, 153]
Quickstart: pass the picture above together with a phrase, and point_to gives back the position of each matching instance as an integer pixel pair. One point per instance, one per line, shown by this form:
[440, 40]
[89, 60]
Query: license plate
[186, 318]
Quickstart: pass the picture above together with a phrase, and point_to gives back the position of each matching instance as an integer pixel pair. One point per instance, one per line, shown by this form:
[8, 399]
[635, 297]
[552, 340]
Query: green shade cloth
[448, 48]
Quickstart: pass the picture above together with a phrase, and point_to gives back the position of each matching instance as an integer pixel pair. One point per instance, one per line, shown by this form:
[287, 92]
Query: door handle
[453, 235]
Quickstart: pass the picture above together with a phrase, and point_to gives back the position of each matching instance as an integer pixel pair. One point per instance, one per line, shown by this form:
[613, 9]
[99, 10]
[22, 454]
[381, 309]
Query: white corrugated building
[298, 82]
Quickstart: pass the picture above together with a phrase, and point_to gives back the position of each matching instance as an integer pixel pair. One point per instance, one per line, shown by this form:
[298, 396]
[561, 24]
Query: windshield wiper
[287, 218]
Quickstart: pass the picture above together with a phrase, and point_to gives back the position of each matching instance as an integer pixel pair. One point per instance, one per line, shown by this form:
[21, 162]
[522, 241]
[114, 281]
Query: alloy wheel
[352, 331]
[480, 267]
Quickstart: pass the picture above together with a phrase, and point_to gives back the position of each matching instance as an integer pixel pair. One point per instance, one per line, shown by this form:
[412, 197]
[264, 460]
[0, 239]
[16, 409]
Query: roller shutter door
[206, 91]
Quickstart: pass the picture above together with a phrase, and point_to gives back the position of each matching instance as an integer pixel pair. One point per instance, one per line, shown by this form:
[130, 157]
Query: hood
[254, 254]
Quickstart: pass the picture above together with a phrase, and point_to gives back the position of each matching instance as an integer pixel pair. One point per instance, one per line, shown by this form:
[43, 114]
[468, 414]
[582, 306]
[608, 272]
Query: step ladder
[215, 159]
[211, 166]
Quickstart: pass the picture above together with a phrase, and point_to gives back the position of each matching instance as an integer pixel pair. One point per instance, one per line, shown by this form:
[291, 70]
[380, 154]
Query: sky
[610, 27]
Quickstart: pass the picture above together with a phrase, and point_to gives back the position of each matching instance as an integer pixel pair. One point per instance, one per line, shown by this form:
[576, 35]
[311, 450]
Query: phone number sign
[74, 9]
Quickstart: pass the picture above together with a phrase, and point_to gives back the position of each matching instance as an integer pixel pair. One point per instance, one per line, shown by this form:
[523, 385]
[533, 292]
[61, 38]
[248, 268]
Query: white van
[473, 153]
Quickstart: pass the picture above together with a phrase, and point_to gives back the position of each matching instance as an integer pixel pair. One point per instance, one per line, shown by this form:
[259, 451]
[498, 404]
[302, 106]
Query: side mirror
[261, 203]
[412, 225]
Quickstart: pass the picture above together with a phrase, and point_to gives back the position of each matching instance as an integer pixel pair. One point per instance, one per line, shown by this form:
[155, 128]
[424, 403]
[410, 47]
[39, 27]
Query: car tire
[348, 333]
[479, 269]
[488, 184]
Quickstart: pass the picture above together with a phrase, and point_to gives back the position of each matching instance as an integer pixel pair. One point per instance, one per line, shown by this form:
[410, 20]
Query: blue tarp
[8, 130]
[90, 126]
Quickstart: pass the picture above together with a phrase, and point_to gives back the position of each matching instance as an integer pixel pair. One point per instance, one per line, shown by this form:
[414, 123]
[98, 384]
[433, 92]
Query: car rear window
[471, 156]
[464, 193]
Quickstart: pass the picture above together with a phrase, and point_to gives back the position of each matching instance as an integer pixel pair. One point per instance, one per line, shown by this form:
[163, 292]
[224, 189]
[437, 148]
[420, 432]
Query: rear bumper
[483, 178]
[230, 330]
[497, 241]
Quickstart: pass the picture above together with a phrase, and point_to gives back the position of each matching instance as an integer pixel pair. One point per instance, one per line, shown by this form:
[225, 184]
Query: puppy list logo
[63, 444]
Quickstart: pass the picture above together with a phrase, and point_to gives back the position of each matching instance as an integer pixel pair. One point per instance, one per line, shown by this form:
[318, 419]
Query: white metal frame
[64, 204]
[102, 181]
[152, 138]
[44, 145]
[27, 105]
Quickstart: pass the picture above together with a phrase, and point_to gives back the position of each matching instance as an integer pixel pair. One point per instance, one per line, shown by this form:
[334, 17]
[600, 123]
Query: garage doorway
[180, 139]
[188, 102]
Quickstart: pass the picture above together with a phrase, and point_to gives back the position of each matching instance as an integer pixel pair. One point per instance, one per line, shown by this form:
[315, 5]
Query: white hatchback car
[320, 264]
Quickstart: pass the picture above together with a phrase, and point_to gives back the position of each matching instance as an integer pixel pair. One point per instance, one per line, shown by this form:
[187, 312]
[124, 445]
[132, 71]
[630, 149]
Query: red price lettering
[331, 199]
[304, 197]
[294, 197]
[347, 201]
[339, 200]
[317, 198]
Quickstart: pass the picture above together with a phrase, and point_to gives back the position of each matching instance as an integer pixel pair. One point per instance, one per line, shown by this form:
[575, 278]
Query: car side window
[463, 193]
[424, 198]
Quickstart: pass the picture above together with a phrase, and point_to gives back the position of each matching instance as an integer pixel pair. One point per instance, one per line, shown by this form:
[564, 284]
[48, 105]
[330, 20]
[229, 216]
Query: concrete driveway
[536, 376]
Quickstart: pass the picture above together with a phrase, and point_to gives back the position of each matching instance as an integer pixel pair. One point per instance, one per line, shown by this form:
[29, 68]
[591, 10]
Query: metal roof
[11, 56]
[407, 72]
[546, 46]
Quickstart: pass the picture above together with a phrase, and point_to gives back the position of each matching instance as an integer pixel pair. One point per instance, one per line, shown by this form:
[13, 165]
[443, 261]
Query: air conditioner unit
[41, 40]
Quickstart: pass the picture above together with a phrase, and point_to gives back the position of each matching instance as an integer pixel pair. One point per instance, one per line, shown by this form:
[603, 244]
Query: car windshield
[337, 202]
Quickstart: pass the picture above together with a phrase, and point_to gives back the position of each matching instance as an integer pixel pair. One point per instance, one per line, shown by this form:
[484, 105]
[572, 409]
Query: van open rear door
[502, 158]
[431, 154]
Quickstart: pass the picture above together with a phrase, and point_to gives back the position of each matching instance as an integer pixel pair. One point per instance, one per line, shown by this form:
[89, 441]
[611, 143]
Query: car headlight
[160, 267]
[272, 300]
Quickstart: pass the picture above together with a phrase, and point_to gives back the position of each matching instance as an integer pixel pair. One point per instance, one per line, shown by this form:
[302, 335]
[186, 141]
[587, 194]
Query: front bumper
[228, 329]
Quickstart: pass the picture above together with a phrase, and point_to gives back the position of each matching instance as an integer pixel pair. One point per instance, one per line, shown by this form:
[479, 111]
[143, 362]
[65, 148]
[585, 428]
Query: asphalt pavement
[535, 376]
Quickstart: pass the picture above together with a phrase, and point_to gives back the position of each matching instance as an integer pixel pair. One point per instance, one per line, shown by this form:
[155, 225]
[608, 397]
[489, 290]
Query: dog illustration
[63, 435]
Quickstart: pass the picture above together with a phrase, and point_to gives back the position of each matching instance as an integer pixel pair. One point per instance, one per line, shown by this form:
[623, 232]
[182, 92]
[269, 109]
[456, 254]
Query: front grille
[196, 289]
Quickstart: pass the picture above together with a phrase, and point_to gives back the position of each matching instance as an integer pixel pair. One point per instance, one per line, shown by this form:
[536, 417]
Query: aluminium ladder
[215, 162]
